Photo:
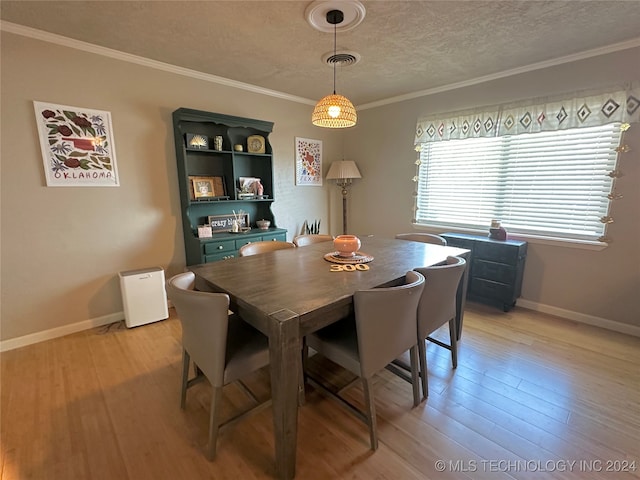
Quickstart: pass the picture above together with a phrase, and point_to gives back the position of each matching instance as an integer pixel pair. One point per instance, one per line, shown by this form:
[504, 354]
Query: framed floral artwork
[77, 146]
[308, 162]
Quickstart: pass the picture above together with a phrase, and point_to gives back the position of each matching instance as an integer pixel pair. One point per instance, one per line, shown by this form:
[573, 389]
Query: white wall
[63, 247]
[595, 285]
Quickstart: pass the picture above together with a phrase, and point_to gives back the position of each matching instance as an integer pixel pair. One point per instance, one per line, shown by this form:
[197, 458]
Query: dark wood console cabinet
[496, 268]
[227, 165]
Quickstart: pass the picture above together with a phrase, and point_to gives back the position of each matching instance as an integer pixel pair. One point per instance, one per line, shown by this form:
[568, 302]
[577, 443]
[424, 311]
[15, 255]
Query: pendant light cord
[335, 27]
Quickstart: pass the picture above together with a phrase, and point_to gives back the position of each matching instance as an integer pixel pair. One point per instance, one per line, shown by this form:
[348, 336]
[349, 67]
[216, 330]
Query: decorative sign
[308, 162]
[224, 223]
[349, 267]
[77, 146]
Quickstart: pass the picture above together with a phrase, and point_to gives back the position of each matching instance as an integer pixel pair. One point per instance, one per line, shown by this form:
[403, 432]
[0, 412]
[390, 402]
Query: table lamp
[343, 172]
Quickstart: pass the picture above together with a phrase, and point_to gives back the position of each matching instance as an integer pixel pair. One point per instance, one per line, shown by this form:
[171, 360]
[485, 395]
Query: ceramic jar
[347, 245]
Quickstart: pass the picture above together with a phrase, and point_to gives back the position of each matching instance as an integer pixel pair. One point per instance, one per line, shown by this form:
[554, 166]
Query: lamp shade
[334, 111]
[343, 169]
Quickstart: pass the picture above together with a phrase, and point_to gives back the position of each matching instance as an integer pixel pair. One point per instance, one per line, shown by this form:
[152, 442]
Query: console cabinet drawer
[496, 267]
[481, 287]
[503, 254]
[218, 247]
[498, 272]
[275, 237]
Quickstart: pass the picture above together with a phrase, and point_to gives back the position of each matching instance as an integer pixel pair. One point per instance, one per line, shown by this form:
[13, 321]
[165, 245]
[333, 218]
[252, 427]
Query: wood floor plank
[531, 392]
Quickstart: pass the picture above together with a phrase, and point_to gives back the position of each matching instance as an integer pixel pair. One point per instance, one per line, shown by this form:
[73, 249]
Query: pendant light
[334, 111]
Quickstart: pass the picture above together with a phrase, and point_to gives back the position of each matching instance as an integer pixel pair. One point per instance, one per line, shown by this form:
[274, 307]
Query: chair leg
[415, 379]
[422, 354]
[214, 423]
[371, 412]
[454, 342]
[186, 359]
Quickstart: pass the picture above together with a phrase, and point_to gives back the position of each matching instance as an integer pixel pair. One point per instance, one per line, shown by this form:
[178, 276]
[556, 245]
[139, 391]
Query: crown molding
[127, 57]
[633, 43]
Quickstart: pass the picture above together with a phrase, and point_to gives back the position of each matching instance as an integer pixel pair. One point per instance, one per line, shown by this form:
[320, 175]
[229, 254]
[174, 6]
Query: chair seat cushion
[338, 342]
[247, 349]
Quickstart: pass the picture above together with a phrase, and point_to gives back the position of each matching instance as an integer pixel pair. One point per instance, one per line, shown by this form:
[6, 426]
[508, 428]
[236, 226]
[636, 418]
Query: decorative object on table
[263, 224]
[240, 223]
[77, 146]
[359, 257]
[497, 232]
[334, 111]
[343, 172]
[197, 141]
[224, 223]
[206, 187]
[308, 162]
[238, 148]
[204, 231]
[310, 228]
[255, 144]
[217, 142]
[347, 245]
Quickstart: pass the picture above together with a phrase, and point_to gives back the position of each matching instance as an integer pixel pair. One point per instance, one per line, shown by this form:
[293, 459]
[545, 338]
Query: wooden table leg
[285, 361]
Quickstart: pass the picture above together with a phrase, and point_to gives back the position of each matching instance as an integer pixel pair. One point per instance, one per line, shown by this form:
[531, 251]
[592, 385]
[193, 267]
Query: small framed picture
[204, 231]
[197, 141]
[206, 187]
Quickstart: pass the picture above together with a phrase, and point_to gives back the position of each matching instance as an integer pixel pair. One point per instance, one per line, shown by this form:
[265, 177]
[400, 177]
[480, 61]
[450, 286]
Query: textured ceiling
[406, 46]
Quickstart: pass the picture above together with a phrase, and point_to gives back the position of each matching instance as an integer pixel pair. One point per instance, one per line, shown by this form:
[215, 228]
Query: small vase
[346, 245]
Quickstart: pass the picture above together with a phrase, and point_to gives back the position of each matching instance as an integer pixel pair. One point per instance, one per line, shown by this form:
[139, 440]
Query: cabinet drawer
[244, 241]
[490, 289]
[496, 252]
[218, 247]
[498, 272]
[275, 236]
[220, 256]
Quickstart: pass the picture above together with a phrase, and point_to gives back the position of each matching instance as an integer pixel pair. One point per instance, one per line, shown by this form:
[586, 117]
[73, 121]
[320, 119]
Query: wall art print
[77, 146]
[308, 162]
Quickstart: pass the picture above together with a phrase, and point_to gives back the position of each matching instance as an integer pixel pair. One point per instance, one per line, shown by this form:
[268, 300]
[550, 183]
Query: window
[552, 183]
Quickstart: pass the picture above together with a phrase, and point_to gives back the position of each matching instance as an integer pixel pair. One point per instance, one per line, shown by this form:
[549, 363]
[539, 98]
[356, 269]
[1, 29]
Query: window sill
[534, 239]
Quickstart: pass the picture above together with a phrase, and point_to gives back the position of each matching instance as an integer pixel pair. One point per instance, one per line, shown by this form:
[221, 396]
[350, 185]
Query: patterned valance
[620, 105]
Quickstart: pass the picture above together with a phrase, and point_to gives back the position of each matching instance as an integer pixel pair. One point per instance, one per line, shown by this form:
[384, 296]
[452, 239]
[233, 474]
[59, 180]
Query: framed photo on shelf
[308, 162]
[206, 187]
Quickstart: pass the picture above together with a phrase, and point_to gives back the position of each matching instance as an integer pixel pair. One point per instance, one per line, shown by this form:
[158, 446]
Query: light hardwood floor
[532, 393]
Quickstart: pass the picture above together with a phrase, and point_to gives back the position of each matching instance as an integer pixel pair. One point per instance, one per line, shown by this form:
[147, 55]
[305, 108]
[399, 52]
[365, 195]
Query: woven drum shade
[334, 111]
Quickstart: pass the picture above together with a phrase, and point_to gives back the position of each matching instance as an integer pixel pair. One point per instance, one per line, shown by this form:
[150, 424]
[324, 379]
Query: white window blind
[552, 183]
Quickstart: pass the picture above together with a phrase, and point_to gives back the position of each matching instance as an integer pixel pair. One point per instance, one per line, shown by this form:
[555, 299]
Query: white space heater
[143, 296]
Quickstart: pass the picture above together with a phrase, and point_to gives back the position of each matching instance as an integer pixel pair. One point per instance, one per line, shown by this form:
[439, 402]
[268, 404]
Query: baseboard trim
[32, 338]
[52, 333]
[581, 317]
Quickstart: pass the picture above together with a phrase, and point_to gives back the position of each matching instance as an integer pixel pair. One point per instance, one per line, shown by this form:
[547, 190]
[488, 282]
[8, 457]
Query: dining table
[287, 294]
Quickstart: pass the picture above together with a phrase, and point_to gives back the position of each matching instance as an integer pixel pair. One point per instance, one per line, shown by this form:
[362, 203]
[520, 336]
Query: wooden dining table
[287, 294]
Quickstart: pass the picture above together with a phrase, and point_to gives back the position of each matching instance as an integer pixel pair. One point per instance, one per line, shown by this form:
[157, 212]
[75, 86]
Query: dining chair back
[304, 240]
[255, 248]
[437, 307]
[423, 237]
[223, 347]
[382, 328]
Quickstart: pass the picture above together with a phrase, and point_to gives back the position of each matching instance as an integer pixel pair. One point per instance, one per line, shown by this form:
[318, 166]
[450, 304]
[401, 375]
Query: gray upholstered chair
[255, 248]
[223, 348]
[303, 240]
[422, 237]
[437, 307]
[383, 327]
